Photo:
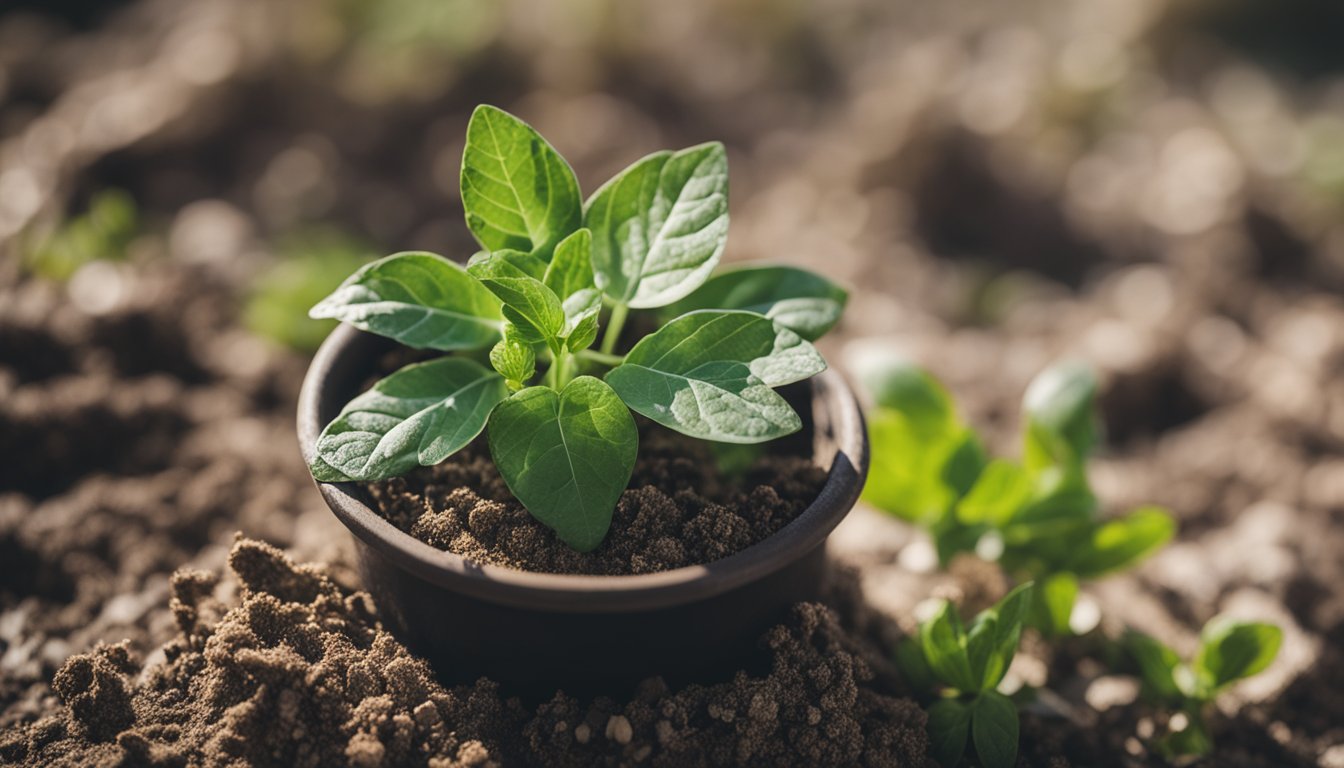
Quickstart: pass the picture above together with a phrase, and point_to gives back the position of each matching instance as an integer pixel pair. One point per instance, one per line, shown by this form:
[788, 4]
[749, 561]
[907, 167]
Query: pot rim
[835, 411]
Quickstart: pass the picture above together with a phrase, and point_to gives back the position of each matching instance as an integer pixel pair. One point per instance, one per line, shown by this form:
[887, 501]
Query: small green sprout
[1229, 651]
[102, 233]
[1037, 516]
[554, 271]
[968, 663]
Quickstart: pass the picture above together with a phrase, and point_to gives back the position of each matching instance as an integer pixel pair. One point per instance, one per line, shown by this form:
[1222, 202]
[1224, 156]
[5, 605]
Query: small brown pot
[539, 631]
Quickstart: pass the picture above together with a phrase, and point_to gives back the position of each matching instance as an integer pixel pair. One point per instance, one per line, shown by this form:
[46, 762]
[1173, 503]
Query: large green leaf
[775, 355]
[949, 729]
[660, 226]
[1231, 650]
[804, 302]
[571, 268]
[994, 730]
[567, 456]
[517, 191]
[709, 374]
[419, 415]
[419, 299]
[535, 311]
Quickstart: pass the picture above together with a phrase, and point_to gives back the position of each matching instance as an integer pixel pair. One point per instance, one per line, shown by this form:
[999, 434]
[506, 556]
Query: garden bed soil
[298, 672]
[679, 509]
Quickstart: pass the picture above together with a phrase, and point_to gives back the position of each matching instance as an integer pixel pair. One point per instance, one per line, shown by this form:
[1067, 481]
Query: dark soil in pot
[680, 509]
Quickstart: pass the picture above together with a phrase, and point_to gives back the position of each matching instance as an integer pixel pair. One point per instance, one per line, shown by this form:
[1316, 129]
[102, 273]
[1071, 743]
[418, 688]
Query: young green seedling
[1229, 651]
[968, 663]
[1037, 516]
[555, 270]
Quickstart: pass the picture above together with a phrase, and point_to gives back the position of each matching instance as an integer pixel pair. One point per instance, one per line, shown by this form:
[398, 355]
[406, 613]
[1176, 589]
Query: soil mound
[298, 672]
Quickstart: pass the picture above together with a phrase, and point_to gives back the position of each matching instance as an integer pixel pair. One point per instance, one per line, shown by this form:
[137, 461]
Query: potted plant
[554, 405]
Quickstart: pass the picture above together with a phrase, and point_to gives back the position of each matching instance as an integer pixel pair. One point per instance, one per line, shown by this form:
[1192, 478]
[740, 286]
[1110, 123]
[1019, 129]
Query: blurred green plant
[1229, 651]
[967, 664]
[103, 232]
[379, 52]
[308, 265]
[1038, 516]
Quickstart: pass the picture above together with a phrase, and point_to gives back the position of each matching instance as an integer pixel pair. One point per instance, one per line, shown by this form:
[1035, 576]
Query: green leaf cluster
[1229, 651]
[554, 272]
[968, 663]
[101, 233]
[1038, 514]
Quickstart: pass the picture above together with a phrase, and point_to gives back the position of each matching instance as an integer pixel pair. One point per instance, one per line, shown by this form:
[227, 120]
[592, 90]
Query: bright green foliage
[102, 233]
[419, 299]
[420, 415]
[807, 304]
[1229, 651]
[969, 663]
[566, 443]
[567, 455]
[660, 226]
[518, 192]
[1039, 514]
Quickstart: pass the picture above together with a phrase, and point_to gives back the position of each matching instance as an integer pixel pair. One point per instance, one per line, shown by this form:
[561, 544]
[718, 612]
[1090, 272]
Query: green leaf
[803, 302]
[571, 268]
[419, 299]
[581, 312]
[904, 387]
[419, 415]
[994, 730]
[944, 645]
[775, 355]
[1061, 417]
[994, 635]
[1157, 664]
[517, 191]
[530, 265]
[1053, 605]
[1232, 650]
[709, 374]
[999, 491]
[534, 309]
[1118, 544]
[660, 226]
[566, 456]
[514, 360]
[949, 729]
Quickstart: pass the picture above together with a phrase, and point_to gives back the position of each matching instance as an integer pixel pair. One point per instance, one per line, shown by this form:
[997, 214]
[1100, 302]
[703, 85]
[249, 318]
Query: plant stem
[602, 358]
[614, 324]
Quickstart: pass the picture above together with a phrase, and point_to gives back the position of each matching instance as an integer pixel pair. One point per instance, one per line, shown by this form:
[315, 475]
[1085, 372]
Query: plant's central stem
[614, 324]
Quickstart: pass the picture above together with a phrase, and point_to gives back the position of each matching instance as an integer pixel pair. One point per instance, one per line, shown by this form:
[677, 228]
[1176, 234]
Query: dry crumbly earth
[677, 512]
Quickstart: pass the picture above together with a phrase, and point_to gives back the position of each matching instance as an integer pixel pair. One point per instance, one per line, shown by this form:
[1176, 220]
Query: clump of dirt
[299, 672]
[678, 510]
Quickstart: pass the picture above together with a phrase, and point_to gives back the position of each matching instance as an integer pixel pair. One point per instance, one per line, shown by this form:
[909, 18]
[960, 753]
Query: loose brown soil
[298, 672]
[678, 510]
